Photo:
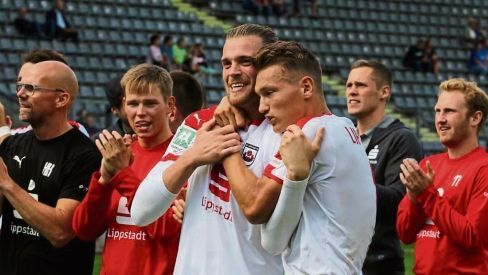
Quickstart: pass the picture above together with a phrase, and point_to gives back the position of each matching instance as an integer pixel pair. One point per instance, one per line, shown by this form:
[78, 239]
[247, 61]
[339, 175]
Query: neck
[369, 121]
[464, 147]
[316, 107]
[151, 142]
[51, 128]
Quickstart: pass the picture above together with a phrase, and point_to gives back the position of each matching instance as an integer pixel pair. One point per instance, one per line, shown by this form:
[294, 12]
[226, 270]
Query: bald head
[53, 74]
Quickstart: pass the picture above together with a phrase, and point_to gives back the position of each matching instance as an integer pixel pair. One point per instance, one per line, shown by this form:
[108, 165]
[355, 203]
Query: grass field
[408, 261]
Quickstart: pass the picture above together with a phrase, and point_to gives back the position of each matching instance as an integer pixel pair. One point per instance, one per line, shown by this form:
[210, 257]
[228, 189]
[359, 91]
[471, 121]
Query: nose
[235, 69]
[350, 90]
[21, 92]
[263, 106]
[140, 110]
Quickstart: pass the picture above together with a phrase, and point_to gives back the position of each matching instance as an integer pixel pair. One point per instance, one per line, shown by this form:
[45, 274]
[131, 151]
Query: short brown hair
[381, 74]
[293, 56]
[476, 98]
[264, 32]
[143, 78]
[187, 91]
[40, 55]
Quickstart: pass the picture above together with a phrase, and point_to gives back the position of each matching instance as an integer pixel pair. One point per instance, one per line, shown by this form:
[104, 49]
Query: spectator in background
[154, 55]
[387, 142]
[57, 24]
[167, 50]
[430, 61]
[478, 61]
[114, 94]
[473, 32]
[189, 97]
[313, 6]
[198, 61]
[88, 120]
[27, 27]
[180, 52]
[413, 57]
[445, 210]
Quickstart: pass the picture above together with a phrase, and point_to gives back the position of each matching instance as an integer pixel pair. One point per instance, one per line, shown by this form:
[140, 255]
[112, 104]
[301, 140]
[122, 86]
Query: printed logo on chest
[249, 153]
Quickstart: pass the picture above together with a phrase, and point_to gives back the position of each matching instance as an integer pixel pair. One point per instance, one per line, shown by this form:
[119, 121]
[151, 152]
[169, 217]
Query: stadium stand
[114, 35]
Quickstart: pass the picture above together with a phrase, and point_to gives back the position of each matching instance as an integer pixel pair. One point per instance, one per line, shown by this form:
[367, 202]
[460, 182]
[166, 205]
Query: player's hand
[414, 178]
[298, 153]
[116, 155]
[226, 114]
[5, 179]
[212, 143]
[178, 210]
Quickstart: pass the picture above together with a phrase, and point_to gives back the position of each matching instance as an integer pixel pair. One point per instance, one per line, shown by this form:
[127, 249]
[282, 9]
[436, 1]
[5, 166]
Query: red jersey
[449, 225]
[129, 249]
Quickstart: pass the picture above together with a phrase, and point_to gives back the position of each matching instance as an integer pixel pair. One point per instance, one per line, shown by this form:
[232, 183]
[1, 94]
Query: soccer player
[216, 238]
[387, 142]
[329, 207]
[148, 103]
[445, 211]
[44, 174]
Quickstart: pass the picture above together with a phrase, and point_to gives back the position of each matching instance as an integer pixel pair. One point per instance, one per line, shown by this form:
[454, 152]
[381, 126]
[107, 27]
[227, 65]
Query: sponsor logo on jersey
[32, 185]
[48, 169]
[183, 140]
[26, 230]
[17, 214]
[219, 184]
[373, 154]
[456, 180]
[125, 234]
[197, 118]
[19, 160]
[249, 153]
[123, 214]
[436, 234]
[214, 207]
[440, 191]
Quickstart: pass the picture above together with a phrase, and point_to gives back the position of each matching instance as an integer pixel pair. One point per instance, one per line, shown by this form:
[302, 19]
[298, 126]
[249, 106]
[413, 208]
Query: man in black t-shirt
[44, 174]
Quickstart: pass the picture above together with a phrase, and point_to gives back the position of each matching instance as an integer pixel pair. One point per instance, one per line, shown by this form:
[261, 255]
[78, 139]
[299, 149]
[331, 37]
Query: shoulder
[196, 119]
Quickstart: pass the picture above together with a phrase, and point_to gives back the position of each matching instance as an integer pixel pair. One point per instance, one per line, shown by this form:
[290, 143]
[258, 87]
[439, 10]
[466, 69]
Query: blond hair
[142, 79]
[476, 98]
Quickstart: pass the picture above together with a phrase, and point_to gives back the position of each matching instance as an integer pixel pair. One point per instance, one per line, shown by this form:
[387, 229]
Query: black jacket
[386, 150]
[51, 22]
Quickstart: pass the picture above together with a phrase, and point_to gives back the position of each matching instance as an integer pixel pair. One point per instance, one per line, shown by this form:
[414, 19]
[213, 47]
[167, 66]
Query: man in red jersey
[445, 211]
[148, 103]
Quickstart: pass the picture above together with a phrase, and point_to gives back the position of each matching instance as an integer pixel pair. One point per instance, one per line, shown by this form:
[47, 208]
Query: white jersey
[216, 237]
[339, 207]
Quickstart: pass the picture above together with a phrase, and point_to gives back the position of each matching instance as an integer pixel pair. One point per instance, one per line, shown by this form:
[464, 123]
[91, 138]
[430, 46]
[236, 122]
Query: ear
[63, 100]
[307, 86]
[385, 92]
[475, 119]
[171, 101]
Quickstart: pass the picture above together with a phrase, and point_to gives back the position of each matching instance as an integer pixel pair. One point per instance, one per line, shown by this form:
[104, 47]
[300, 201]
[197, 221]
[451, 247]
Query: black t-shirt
[48, 170]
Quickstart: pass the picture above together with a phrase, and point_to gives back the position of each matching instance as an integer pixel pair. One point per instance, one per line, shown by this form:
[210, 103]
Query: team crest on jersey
[373, 154]
[183, 140]
[249, 153]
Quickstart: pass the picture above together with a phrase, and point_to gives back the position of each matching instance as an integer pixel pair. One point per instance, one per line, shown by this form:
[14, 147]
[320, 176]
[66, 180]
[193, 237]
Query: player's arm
[298, 154]
[159, 189]
[391, 190]
[410, 220]
[54, 223]
[5, 124]
[91, 216]
[468, 230]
